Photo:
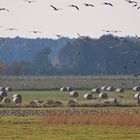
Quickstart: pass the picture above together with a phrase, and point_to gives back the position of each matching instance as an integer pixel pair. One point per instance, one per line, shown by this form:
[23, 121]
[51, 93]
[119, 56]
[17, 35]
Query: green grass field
[32, 128]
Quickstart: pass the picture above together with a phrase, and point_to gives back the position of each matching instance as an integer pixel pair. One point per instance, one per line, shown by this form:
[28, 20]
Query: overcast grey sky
[69, 21]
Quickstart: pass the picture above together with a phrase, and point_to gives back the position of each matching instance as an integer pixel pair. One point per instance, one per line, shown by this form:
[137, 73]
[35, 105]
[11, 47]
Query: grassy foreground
[33, 128]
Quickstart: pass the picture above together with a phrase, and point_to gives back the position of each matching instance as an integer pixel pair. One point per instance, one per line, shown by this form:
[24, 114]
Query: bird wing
[77, 7]
[53, 7]
[34, 32]
[58, 35]
[110, 4]
[79, 35]
[6, 10]
[71, 5]
[74, 6]
[106, 3]
[85, 4]
[91, 5]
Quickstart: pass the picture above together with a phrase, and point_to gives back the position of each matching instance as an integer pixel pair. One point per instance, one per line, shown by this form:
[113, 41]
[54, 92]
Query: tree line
[83, 56]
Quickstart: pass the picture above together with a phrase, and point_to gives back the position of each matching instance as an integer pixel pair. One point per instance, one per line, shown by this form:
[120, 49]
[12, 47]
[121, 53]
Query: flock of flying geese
[133, 3]
[77, 8]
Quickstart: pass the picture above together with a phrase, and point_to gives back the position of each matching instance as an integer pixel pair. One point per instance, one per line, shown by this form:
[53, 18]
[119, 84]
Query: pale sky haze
[69, 21]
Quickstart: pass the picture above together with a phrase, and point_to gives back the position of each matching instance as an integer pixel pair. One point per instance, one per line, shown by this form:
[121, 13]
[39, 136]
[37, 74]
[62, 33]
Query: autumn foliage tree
[2, 66]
